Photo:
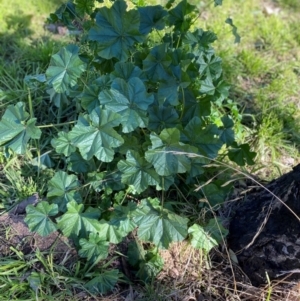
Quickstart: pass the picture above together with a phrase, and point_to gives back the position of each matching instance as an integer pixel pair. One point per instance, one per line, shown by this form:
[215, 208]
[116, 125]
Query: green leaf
[161, 117]
[75, 221]
[126, 71]
[77, 164]
[218, 2]
[200, 239]
[130, 101]
[131, 142]
[59, 99]
[106, 181]
[203, 137]
[167, 154]
[241, 154]
[215, 229]
[159, 225]
[210, 65]
[195, 107]
[168, 91]
[123, 217]
[89, 97]
[43, 161]
[63, 188]
[226, 132]
[84, 7]
[135, 91]
[214, 194]
[207, 86]
[110, 231]
[16, 129]
[222, 90]
[103, 283]
[38, 218]
[94, 135]
[165, 182]
[34, 280]
[63, 144]
[200, 40]
[157, 63]
[148, 263]
[65, 68]
[197, 168]
[94, 248]
[136, 171]
[209, 236]
[116, 31]
[234, 30]
[135, 253]
[64, 14]
[32, 79]
[152, 17]
[178, 16]
[150, 267]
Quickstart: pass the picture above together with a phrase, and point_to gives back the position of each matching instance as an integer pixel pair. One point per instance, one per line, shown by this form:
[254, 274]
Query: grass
[264, 71]
[289, 4]
[26, 48]
[48, 281]
[22, 37]
[25, 17]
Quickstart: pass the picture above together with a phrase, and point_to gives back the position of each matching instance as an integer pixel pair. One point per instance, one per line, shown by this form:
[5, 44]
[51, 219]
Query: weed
[138, 114]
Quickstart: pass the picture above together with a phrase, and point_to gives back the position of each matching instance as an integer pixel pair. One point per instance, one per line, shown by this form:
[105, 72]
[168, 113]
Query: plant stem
[183, 104]
[163, 193]
[30, 104]
[54, 125]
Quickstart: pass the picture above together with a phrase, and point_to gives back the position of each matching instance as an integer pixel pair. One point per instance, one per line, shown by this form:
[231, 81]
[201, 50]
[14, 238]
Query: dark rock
[265, 230]
[20, 208]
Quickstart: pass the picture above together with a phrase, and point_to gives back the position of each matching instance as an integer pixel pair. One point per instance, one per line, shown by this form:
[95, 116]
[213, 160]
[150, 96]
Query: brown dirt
[188, 274]
[15, 233]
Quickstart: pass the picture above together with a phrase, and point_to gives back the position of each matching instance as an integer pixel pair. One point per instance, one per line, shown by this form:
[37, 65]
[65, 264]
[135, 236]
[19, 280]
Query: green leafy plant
[146, 263]
[17, 128]
[140, 85]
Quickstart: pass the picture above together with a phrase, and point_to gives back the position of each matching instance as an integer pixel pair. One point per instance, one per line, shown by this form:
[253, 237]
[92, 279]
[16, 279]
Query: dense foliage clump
[138, 108]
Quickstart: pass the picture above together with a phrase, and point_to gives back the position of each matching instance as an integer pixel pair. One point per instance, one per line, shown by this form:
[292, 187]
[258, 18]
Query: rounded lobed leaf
[65, 68]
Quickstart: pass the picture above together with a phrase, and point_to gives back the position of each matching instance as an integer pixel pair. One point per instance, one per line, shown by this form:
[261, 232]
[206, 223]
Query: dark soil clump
[265, 230]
